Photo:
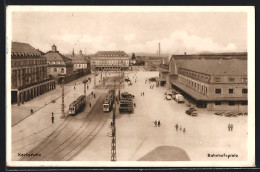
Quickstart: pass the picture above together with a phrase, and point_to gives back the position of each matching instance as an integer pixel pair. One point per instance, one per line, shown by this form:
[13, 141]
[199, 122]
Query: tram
[108, 102]
[77, 105]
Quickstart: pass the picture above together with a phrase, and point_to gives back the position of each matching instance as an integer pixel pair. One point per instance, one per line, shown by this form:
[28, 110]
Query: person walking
[176, 126]
[184, 131]
[155, 123]
[231, 127]
[52, 117]
[159, 123]
[134, 105]
[74, 87]
[87, 86]
[143, 93]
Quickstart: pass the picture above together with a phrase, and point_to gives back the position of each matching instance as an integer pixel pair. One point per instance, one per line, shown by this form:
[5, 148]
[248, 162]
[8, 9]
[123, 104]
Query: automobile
[168, 97]
[152, 79]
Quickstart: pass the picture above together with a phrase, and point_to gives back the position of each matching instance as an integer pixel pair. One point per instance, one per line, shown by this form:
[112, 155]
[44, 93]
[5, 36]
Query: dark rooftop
[19, 49]
[111, 54]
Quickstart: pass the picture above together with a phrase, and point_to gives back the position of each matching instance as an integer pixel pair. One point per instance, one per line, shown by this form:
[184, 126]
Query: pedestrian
[87, 86]
[94, 96]
[184, 130]
[159, 123]
[31, 111]
[89, 104]
[52, 117]
[155, 123]
[143, 93]
[74, 87]
[180, 128]
[91, 92]
[134, 105]
[111, 123]
[176, 126]
[231, 127]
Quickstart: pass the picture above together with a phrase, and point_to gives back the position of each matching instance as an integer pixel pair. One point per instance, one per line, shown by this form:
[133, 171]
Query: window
[244, 79]
[217, 79]
[218, 103]
[55, 69]
[62, 70]
[244, 103]
[231, 103]
[231, 91]
[231, 79]
[218, 91]
[244, 90]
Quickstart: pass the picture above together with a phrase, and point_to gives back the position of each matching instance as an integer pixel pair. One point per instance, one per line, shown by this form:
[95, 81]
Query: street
[86, 136]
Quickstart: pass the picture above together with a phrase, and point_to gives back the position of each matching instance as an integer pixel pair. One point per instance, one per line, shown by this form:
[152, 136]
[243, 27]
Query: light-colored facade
[110, 61]
[218, 82]
[80, 61]
[58, 64]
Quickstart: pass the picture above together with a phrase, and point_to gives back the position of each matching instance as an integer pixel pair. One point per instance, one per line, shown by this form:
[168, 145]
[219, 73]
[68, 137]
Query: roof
[21, 49]
[111, 54]
[79, 57]
[214, 66]
[55, 55]
[197, 96]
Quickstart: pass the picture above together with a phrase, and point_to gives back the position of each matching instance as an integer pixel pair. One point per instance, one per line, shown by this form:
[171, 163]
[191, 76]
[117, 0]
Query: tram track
[73, 145]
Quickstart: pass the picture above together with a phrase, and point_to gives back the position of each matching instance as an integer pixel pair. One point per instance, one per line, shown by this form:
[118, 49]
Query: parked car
[179, 98]
[168, 97]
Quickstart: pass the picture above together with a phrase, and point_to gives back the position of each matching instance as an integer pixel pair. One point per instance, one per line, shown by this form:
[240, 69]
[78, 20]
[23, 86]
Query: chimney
[159, 49]
[54, 48]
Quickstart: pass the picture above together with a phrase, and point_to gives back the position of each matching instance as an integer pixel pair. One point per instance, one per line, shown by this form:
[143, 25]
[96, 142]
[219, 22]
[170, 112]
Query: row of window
[194, 85]
[28, 62]
[230, 79]
[230, 103]
[194, 74]
[110, 55]
[230, 90]
[55, 70]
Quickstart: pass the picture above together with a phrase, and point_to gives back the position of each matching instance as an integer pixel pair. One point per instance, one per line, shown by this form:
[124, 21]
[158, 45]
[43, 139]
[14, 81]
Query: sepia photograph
[131, 86]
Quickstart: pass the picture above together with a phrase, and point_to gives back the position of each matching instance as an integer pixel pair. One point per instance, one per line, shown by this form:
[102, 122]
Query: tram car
[77, 105]
[108, 102]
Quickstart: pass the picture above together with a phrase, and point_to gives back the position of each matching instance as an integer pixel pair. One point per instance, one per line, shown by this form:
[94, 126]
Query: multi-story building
[29, 73]
[58, 64]
[80, 61]
[215, 81]
[110, 61]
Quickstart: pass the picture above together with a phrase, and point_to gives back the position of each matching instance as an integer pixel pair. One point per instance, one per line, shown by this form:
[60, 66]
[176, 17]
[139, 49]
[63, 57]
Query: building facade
[80, 61]
[58, 64]
[110, 61]
[29, 73]
[214, 81]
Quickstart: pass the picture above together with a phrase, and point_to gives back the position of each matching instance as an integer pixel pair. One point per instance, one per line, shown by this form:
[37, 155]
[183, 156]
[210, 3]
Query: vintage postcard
[135, 86]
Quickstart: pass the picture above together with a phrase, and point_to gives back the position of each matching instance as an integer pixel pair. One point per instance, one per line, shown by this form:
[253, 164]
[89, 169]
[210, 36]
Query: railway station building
[29, 77]
[212, 81]
[110, 61]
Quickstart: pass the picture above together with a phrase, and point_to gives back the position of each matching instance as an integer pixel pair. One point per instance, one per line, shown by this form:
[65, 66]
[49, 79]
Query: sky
[138, 32]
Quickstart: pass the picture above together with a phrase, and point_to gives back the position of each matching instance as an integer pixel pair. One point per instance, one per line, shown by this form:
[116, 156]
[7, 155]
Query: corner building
[29, 73]
[212, 81]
